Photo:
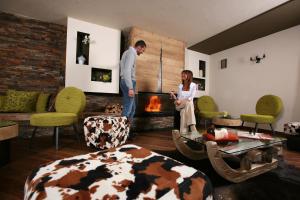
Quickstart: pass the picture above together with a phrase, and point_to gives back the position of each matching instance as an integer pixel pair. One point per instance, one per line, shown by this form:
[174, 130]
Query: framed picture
[223, 63]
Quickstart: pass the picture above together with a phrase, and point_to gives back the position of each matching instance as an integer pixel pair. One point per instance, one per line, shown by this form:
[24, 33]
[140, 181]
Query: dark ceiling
[279, 18]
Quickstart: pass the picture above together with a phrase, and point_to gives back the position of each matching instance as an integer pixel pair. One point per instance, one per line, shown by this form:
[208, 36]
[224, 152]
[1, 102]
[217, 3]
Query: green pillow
[42, 102]
[20, 101]
[2, 102]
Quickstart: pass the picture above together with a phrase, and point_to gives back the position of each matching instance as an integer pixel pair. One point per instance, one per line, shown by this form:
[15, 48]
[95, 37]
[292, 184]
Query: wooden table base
[235, 175]
[248, 168]
[6, 134]
[185, 150]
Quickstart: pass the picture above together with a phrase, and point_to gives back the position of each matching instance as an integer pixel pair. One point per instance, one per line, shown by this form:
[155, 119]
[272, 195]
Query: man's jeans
[128, 102]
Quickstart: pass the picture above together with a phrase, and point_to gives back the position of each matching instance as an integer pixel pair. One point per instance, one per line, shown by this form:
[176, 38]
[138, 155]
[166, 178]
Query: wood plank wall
[148, 64]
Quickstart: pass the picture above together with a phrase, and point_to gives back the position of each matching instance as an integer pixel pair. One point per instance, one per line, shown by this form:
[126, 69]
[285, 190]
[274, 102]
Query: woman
[184, 102]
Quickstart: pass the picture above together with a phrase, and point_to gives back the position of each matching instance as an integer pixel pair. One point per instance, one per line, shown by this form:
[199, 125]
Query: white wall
[192, 63]
[238, 87]
[104, 53]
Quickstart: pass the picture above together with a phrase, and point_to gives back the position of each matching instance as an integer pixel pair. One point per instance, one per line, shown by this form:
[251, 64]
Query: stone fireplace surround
[143, 121]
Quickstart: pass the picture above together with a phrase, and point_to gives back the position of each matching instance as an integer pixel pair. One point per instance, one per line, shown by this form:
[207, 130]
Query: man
[127, 78]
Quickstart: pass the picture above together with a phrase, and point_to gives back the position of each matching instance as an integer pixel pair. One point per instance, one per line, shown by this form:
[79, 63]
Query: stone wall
[32, 54]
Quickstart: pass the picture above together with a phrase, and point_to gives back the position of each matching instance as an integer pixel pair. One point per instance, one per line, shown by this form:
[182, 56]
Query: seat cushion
[2, 102]
[127, 172]
[42, 102]
[53, 119]
[210, 115]
[261, 119]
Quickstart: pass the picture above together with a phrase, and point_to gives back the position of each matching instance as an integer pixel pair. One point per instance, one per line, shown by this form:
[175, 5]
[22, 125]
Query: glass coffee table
[255, 156]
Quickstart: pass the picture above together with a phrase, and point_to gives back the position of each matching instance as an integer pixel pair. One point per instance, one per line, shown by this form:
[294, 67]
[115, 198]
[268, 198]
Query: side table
[8, 130]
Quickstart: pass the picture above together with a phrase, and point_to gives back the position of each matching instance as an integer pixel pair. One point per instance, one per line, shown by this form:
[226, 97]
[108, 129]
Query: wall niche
[82, 48]
[101, 75]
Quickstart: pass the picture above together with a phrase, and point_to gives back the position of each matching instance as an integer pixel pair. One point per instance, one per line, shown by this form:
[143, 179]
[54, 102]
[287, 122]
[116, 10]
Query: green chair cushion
[42, 102]
[206, 103]
[20, 101]
[53, 119]
[70, 100]
[261, 119]
[210, 115]
[269, 105]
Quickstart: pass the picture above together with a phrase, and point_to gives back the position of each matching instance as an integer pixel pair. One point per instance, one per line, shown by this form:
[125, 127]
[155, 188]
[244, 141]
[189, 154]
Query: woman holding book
[184, 102]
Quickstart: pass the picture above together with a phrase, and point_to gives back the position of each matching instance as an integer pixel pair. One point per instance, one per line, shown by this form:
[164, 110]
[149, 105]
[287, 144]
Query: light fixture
[257, 59]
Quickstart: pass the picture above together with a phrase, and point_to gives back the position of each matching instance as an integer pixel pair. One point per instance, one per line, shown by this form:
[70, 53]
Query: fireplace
[154, 104]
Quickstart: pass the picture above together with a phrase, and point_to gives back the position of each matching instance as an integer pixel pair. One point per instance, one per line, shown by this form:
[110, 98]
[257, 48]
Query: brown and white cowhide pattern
[105, 132]
[128, 172]
[114, 109]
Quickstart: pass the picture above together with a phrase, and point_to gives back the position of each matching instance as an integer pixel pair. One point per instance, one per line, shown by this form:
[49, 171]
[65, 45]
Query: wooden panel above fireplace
[163, 54]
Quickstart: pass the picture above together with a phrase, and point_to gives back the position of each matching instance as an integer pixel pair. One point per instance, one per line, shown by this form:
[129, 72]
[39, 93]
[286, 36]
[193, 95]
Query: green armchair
[268, 108]
[208, 109]
[69, 103]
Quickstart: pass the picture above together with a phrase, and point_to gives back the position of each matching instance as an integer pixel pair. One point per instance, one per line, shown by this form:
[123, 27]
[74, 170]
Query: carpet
[280, 183]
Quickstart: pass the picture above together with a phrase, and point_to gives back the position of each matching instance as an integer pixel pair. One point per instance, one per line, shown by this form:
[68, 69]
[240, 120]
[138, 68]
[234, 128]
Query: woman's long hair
[186, 84]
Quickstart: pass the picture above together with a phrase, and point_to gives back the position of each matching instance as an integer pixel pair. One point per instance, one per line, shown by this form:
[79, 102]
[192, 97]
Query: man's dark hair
[140, 43]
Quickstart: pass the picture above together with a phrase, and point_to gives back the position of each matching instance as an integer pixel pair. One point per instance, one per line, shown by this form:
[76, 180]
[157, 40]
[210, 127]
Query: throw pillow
[42, 102]
[20, 101]
[2, 102]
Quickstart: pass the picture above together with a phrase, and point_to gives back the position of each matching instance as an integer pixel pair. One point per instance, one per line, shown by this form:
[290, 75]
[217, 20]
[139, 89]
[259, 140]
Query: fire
[154, 104]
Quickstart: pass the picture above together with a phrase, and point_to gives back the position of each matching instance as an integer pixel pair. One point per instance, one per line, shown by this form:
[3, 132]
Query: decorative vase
[81, 59]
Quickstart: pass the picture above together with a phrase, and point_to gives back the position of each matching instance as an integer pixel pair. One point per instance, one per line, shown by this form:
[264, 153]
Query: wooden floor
[23, 159]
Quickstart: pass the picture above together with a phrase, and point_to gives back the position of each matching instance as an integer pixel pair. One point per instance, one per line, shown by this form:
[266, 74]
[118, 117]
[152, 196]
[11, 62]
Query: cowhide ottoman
[127, 172]
[104, 132]
[292, 130]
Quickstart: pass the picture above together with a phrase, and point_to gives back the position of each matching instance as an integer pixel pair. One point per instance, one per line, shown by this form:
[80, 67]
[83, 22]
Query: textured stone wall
[32, 54]
[97, 102]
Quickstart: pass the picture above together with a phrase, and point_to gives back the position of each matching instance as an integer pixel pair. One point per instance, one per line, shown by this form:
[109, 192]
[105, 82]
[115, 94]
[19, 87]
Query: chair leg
[255, 129]
[32, 136]
[205, 123]
[272, 129]
[242, 124]
[76, 132]
[56, 137]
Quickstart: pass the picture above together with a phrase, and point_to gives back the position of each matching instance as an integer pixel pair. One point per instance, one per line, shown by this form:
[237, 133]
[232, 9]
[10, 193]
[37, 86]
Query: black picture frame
[224, 63]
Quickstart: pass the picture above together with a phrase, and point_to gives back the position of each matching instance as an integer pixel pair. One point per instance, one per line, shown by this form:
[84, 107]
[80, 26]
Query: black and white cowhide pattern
[128, 172]
[105, 132]
[292, 128]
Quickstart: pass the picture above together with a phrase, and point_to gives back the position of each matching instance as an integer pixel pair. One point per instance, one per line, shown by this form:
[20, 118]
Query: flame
[154, 104]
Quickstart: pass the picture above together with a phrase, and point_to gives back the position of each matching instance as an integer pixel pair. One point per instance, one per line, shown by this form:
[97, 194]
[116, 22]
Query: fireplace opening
[154, 104]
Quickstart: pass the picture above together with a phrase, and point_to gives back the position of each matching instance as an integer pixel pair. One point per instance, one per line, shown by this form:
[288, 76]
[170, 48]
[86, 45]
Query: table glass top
[236, 148]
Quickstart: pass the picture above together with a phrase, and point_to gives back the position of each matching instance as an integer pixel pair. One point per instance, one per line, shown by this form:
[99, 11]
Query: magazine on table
[258, 136]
